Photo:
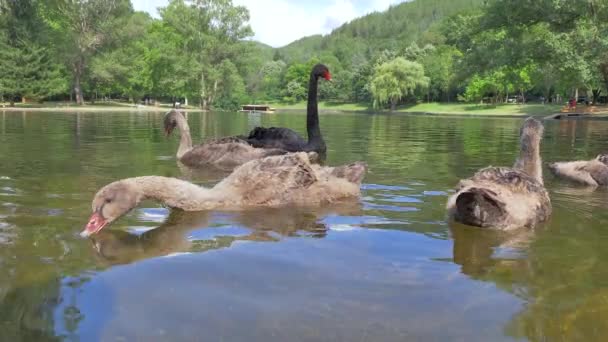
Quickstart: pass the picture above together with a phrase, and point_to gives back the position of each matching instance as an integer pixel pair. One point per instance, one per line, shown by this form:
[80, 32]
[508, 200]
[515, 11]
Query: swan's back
[293, 179]
[590, 172]
[500, 197]
[225, 153]
[276, 137]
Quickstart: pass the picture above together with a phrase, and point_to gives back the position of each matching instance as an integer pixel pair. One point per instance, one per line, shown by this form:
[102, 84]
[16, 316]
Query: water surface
[390, 268]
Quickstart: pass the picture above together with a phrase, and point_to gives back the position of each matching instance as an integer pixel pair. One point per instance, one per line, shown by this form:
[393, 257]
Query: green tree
[28, 69]
[209, 31]
[82, 28]
[396, 79]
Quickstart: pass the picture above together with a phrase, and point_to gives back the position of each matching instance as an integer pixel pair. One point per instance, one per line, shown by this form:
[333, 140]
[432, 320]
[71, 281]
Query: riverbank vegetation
[199, 52]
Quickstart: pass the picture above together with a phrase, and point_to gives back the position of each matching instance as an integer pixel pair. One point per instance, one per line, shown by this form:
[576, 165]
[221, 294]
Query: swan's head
[170, 121]
[320, 70]
[532, 128]
[111, 202]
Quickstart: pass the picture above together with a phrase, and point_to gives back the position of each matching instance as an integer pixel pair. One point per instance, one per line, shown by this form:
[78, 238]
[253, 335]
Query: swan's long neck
[315, 140]
[529, 159]
[177, 193]
[185, 141]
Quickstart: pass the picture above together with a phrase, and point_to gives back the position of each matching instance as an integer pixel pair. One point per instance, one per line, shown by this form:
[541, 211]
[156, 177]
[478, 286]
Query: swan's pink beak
[96, 223]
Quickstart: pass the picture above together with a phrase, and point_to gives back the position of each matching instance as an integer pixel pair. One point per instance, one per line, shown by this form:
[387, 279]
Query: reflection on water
[387, 268]
[187, 232]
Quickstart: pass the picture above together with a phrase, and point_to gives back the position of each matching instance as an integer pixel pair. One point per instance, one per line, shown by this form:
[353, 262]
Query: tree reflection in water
[564, 298]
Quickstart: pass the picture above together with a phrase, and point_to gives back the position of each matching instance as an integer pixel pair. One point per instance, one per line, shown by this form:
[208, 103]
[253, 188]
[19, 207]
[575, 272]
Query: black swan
[223, 153]
[506, 198]
[275, 181]
[592, 172]
[288, 140]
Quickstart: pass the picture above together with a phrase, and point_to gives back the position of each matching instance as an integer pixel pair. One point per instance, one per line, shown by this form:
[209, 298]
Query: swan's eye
[108, 200]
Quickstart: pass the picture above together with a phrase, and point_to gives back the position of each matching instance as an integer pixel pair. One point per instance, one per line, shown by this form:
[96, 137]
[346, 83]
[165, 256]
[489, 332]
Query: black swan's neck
[315, 140]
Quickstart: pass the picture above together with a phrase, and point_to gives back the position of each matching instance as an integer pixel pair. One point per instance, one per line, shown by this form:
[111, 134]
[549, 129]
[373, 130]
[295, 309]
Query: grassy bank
[325, 106]
[439, 108]
[473, 109]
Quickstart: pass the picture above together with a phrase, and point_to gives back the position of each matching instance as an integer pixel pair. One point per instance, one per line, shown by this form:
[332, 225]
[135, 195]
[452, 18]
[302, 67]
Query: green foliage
[198, 52]
[395, 80]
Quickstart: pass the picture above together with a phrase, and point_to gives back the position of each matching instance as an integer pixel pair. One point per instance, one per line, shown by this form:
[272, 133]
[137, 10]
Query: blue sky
[279, 22]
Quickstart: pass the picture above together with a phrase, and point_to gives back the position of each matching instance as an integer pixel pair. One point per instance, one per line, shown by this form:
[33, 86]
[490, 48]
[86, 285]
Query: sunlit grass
[438, 108]
[466, 108]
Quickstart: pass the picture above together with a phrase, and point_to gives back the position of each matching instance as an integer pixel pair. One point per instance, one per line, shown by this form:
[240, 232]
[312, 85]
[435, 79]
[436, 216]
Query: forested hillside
[200, 52]
[393, 29]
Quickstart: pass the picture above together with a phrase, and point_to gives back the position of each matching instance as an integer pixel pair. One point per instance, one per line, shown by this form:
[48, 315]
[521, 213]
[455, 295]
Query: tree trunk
[393, 105]
[186, 102]
[596, 95]
[203, 93]
[78, 66]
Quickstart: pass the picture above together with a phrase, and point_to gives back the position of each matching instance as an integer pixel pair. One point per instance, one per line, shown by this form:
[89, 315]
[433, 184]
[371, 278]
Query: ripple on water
[383, 187]
[163, 158]
[435, 193]
[54, 212]
[395, 208]
[213, 233]
[157, 215]
[349, 223]
[7, 233]
[9, 191]
[399, 199]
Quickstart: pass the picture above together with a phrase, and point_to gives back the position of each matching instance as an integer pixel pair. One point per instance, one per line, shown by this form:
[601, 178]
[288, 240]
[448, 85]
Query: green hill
[395, 29]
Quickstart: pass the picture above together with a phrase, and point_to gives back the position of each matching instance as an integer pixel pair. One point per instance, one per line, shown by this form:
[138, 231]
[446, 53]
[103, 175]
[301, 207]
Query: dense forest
[199, 52]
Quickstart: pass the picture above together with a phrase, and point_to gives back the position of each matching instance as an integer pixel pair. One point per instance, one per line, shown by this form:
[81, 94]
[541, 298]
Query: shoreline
[69, 109]
[582, 115]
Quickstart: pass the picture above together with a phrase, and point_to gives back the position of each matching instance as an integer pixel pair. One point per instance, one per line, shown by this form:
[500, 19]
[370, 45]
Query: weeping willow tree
[396, 79]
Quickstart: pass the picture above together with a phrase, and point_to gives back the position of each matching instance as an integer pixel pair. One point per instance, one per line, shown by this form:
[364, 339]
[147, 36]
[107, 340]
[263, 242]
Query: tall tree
[28, 68]
[82, 28]
[396, 79]
[210, 32]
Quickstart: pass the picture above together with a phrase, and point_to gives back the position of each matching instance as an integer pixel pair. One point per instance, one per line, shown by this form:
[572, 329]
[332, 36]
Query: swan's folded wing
[269, 179]
[515, 179]
[227, 150]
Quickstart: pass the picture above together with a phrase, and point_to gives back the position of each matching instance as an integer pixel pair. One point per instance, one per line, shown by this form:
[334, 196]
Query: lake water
[390, 268]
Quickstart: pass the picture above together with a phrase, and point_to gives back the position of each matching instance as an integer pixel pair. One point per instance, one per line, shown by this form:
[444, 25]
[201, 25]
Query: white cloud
[279, 22]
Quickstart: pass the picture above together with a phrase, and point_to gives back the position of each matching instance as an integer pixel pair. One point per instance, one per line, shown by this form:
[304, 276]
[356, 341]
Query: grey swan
[592, 172]
[288, 140]
[275, 181]
[506, 198]
[223, 153]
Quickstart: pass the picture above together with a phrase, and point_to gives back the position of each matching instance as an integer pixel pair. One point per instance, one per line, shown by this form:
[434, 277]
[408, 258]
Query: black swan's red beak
[327, 76]
[95, 224]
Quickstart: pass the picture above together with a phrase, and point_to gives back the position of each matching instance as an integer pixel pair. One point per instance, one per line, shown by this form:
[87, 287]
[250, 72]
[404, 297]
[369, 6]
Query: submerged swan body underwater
[506, 198]
[275, 181]
[223, 153]
[592, 172]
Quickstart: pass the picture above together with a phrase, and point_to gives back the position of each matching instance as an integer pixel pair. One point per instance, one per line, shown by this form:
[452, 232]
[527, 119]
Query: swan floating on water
[506, 198]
